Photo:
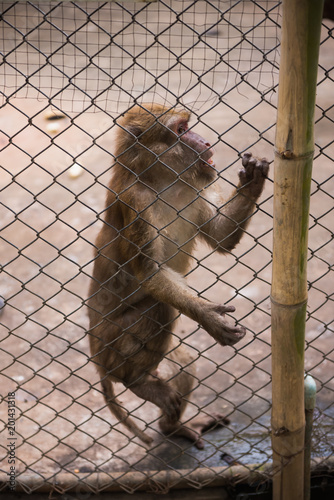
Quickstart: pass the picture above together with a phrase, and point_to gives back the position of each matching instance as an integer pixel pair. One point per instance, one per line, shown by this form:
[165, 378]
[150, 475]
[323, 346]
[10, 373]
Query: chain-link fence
[68, 72]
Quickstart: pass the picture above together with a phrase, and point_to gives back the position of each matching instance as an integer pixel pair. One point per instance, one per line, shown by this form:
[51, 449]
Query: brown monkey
[160, 199]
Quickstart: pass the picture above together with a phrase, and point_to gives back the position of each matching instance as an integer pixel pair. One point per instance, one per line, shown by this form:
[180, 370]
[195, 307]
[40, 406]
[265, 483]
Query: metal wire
[68, 71]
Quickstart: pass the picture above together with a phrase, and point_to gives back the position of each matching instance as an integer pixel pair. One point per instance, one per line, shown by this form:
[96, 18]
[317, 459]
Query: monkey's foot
[195, 428]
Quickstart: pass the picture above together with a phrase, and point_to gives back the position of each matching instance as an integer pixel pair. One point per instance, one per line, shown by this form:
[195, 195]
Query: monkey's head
[153, 138]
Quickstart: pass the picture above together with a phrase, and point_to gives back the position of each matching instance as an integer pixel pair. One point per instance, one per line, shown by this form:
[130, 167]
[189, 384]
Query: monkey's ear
[134, 130]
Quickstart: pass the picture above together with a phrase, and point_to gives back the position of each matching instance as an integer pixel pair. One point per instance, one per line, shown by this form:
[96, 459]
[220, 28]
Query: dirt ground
[49, 222]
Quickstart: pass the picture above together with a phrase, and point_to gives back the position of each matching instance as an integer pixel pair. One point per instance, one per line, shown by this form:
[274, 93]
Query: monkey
[162, 197]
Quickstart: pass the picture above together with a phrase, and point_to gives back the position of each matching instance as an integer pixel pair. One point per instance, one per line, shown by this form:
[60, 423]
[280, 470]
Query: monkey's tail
[120, 413]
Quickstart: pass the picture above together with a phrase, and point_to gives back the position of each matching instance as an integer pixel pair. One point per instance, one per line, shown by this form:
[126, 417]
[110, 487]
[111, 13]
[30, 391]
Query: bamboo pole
[294, 146]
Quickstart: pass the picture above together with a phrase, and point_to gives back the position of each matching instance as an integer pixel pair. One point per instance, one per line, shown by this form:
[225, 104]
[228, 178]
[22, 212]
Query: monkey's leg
[120, 413]
[182, 381]
[161, 394]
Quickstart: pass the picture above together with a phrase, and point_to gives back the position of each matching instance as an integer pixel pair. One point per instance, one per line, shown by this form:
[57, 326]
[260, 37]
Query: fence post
[292, 178]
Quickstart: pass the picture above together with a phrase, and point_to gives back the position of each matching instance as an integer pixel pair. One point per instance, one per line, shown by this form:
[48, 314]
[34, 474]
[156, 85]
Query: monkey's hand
[214, 322]
[252, 176]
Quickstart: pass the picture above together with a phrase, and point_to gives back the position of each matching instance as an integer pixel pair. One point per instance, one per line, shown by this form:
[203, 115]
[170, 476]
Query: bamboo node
[288, 154]
[281, 431]
[290, 455]
[288, 306]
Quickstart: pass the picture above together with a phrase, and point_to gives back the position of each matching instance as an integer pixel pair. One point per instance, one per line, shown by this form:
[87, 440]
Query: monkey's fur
[161, 198]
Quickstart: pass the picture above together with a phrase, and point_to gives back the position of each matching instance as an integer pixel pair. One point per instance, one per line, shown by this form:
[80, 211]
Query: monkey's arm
[144, 249]
[166, 285]
[226, 225]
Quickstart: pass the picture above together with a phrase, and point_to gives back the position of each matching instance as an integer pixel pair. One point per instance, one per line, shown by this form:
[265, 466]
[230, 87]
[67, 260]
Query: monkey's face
[156, 143]
[194, 152]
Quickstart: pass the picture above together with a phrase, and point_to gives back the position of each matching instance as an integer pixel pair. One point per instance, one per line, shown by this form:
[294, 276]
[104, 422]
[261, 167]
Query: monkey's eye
[183, 127]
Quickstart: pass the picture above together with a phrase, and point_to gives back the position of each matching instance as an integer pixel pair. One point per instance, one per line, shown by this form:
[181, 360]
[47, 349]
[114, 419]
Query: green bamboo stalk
[292, 178]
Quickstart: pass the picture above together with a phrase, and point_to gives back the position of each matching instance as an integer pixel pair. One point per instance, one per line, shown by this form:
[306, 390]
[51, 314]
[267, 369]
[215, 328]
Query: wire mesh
[68, 71]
